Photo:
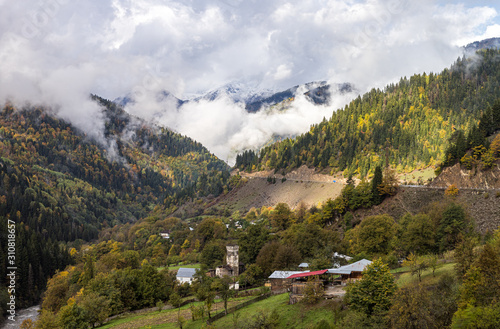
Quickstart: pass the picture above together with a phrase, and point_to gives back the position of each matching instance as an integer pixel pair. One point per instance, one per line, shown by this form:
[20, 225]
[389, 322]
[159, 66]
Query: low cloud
[58, 52]
[226, 128]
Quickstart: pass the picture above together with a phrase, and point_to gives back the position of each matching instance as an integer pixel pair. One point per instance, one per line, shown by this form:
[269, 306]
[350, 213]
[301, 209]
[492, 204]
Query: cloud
[226, 128]
[282, 72]
[58, 52]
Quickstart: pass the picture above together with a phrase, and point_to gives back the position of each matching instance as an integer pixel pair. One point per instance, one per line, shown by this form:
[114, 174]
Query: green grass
[176, 267]
[166, 318]
[427, 277]
[290, 316]
[401, 269]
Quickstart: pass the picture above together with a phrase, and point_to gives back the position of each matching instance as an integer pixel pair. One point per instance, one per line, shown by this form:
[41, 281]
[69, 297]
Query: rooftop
[284, 274]
[358, 266]
[186, 272]
[302, 275]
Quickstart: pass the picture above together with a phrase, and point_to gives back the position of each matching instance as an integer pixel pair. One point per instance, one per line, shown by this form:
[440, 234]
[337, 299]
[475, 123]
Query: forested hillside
[58, 185]
[66, 186]
[408, 123]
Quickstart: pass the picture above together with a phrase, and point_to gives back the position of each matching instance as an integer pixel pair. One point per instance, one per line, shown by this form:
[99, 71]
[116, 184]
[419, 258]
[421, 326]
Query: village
[326, 283]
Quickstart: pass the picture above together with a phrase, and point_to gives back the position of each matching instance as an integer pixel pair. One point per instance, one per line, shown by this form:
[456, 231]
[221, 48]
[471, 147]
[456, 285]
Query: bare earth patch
[257, 192]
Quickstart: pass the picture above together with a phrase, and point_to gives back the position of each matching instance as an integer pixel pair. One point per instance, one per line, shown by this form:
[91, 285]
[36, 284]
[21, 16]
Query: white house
[185, 275]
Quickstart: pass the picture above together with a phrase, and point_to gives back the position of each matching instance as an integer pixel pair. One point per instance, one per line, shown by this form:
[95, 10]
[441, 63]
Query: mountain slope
[65, 186]
[407, 123]
[317, 93]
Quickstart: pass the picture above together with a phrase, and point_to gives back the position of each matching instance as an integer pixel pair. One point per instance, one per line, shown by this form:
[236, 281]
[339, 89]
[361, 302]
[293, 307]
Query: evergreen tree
[376, 182]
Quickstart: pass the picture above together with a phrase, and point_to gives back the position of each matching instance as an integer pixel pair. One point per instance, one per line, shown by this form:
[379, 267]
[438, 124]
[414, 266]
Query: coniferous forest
[407, 123]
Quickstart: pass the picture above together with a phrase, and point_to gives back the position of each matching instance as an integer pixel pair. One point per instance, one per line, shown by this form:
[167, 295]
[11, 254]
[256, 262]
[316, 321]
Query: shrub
[452, 190]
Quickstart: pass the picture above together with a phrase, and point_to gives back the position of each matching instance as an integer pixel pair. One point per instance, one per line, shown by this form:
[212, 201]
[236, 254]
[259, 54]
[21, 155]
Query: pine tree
[376, 182]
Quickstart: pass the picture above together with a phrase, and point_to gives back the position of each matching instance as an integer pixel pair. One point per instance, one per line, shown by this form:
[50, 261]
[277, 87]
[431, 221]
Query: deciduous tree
[373, 293]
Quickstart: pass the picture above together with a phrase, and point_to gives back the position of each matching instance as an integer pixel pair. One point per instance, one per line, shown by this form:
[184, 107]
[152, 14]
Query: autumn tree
[251, 241]
[96, 308]
[389, 183]
[265, 259]
[212, 255]
[281, 216]
[411, 308]
[417, 265]
[73, 316]
[373, 293]
[176, 302]
[454, 221]
[373, 236]
[464, 255]
[252, 275]
[47, 320]
[287, 257]
[416, 234]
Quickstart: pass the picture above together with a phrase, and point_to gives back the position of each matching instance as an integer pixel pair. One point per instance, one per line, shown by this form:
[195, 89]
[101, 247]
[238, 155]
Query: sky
[57, 52]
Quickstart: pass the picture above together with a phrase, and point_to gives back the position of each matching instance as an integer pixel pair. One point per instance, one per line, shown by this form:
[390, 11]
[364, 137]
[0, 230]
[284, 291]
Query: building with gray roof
[185, 275]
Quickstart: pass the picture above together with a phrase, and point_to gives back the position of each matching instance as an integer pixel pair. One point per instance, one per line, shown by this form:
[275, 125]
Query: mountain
[162, 96]
[405, 125]
[66, 186]
[238, 92]
[317, 92]
[492, 43]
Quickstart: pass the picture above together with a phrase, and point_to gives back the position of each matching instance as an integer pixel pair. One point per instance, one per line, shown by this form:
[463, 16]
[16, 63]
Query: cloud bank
[57, 52]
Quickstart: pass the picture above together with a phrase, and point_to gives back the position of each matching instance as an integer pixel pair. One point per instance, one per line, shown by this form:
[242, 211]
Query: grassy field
[290, 316]
[176, 267]
[427, 277]
[167, 318]
[414, 176]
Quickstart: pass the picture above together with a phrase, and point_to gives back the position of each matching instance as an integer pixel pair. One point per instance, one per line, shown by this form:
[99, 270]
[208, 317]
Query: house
[280, 281]
[322, 283]
[165, 235]
[303, 266]
[351, 272]
[185, 275]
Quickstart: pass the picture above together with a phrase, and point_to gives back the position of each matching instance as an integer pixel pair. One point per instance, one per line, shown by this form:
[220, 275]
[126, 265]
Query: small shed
[280, 280]
[300, 282]
[351, 272]
[185, 275]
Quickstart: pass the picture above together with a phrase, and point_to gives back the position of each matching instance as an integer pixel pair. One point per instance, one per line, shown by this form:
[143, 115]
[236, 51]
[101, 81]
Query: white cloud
[226, 128]
[282, 72]
[57, 52]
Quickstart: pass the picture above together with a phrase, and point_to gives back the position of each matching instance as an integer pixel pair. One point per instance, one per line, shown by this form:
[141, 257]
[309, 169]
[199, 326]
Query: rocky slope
[463, 178]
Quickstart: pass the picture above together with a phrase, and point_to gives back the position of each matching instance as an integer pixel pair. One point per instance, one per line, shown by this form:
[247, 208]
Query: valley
[393, 201]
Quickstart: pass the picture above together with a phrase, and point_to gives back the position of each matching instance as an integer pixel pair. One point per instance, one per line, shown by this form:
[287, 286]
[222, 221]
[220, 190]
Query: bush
[452, 190]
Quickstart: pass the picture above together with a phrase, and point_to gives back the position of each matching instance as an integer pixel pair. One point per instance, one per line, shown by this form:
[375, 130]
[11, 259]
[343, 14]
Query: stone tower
[232, 258]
